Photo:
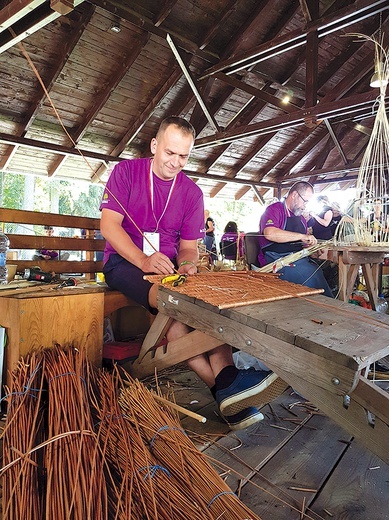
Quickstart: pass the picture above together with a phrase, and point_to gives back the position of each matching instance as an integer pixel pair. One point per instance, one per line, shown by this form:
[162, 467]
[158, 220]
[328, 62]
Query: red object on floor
[119, 350]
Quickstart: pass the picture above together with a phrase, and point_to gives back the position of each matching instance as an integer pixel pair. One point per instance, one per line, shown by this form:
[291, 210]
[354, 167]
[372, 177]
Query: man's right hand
[309, 240]
[157, 263]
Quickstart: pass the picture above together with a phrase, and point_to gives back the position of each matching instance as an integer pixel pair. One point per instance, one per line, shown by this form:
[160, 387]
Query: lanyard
[152, 196]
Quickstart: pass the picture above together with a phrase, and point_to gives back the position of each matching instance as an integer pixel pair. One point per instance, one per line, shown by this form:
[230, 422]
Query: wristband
[187, 262]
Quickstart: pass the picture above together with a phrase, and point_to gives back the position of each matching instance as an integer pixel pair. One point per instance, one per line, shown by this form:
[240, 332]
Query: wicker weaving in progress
[234, 289]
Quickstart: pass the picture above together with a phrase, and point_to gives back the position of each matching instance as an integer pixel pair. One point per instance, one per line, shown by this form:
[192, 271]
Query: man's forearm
[282, 236]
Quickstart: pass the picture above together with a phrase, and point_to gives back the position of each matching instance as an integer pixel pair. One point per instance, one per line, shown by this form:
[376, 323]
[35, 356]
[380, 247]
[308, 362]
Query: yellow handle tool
[175, 279]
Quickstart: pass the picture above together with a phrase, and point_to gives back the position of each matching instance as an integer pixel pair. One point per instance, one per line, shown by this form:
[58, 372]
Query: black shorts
[128, 279]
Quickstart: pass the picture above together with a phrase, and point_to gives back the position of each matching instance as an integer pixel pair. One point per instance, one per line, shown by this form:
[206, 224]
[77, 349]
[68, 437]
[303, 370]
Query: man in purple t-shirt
[152, 217]
[283, 230]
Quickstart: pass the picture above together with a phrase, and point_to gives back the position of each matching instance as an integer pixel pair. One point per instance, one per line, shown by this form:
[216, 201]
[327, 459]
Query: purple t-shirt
[129, 190]
[276, 215]
[232, 238]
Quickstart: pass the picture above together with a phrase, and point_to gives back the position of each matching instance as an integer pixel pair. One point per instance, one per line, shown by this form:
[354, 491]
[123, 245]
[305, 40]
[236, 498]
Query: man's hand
[157, 263]
[309, 240]
[188, 268]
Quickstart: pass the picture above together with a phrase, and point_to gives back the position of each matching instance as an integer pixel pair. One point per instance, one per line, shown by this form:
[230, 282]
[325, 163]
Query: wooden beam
[312, 61]
[15, 10]
[325, 25]
[80, 20]
[164, 12]
[348, 105]
[336, 141]
[256, 92]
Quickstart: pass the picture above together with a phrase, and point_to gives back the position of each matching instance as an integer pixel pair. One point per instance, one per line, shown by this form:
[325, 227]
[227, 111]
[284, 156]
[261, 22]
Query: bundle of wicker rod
[170, 445]
[73, 449]
[20, 489]
[74, 461]
[55, 471]
[141, 488]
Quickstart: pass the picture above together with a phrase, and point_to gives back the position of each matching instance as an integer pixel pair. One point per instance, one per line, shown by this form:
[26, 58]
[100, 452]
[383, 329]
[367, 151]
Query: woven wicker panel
[235, 289]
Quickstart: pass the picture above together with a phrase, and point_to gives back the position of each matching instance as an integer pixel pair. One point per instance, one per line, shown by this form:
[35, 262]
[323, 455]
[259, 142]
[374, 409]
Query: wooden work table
[320, 346]
[350, 259]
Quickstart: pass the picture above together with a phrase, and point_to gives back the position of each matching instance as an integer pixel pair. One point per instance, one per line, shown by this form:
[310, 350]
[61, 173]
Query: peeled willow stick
[177, 407]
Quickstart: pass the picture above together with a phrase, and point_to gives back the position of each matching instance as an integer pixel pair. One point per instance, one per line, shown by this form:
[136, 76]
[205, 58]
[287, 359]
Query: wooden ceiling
[76, 97]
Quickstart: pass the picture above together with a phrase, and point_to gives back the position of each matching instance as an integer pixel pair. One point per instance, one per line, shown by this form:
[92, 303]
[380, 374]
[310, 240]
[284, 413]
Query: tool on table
[36, 274]
[175, 279]
[69, 282]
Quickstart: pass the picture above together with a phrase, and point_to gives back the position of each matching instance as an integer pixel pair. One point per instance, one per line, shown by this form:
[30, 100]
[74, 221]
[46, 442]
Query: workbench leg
[157, 331]
[370, 274]
[347, 275]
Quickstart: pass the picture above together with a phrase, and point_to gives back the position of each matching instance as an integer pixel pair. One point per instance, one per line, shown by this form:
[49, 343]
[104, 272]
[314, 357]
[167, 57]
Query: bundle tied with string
[370, 224]
[189, 470]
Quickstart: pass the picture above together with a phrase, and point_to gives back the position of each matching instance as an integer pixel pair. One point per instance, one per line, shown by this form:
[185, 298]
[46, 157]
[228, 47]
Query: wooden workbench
[318, 345]
[350, 259]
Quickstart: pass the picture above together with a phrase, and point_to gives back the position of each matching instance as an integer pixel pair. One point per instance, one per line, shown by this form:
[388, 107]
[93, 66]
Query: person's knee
[176, 331]
[153, 294]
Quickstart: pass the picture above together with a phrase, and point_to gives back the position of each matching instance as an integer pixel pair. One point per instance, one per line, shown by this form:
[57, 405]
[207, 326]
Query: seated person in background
[46, 254]
[283, 230]
[231, 242]
[49, 254]
[152, 198]
[320, 221]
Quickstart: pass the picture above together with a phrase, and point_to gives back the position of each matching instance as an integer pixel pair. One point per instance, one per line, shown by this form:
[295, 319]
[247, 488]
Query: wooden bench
[37, 220]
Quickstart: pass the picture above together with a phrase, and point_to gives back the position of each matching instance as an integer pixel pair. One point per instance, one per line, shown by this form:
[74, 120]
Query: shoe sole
[246, 422]
[257, 396]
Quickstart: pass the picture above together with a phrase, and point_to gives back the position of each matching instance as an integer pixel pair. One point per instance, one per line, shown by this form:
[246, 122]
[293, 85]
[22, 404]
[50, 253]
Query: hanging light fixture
[378, 79]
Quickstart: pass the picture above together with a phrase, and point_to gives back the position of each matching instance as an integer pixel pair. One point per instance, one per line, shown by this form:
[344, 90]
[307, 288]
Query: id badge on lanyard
[151, 242]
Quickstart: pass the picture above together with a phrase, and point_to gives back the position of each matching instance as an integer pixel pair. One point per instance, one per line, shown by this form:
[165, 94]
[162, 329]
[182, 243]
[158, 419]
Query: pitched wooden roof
[225, 65]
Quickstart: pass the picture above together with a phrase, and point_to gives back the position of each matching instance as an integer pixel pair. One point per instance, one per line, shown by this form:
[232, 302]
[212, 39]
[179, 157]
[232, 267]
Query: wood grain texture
[35, 322]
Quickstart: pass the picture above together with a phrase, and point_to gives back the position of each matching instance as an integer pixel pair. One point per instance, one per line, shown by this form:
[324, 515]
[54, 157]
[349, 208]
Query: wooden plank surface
[351, 482]
[357, 488]
[276, 354]
[304, 462]
[345, 334]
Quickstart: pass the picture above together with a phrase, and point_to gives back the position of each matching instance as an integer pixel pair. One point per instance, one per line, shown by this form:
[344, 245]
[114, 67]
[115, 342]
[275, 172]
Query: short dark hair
[301, 186]
[48, 227]
[179, 122]
[231, 227]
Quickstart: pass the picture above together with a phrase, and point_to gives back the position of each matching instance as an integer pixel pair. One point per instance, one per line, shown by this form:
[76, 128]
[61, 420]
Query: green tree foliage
[11, 196]
[67, 197]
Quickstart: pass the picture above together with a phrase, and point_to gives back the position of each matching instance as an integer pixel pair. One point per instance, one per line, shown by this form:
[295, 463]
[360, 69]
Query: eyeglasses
[302, 198]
